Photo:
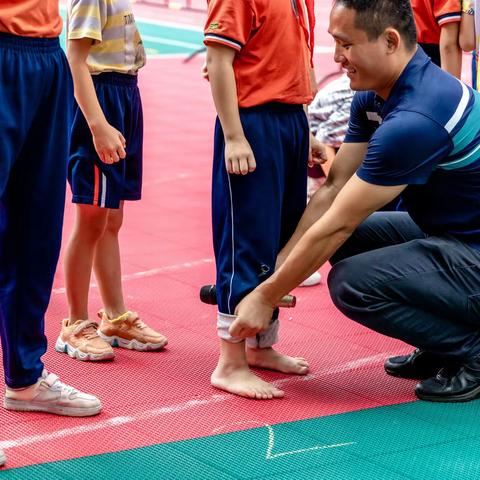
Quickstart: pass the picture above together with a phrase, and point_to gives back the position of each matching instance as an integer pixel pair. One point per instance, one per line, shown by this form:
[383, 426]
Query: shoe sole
[3, 459]
[132, 344]
[466, 397]
[23, 406]
[63, 347]
[396, 375]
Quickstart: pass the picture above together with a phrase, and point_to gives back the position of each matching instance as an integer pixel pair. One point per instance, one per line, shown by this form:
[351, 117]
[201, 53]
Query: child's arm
[109, 142]
[239, 156]
[467, 27]
[450, 53]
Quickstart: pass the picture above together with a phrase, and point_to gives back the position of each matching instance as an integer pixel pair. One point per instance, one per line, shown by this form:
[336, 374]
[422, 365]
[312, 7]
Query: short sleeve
[229, 22]
[86, 19]
[405, 150]
[360, 127]
[447, 11]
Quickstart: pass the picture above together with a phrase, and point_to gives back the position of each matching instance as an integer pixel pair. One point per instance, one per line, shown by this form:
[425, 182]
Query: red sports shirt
[430, 15]
[30, 18]
[272, 40]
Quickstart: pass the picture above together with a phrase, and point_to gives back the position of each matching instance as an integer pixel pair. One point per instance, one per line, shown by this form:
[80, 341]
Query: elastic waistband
[115, 78]
[274, 107]
[41, 45]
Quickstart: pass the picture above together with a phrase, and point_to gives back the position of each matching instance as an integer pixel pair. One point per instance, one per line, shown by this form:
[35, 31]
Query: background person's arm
[466, 38]
[450, 52]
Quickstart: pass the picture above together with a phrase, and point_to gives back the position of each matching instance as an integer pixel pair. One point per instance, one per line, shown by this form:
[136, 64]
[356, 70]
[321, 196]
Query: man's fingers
[235, 329]
[252, 164]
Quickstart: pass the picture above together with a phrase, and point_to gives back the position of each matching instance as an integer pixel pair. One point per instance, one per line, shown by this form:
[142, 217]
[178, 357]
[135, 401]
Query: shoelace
[56, 385]
[87, 328]
[127, 316]
[139, 323]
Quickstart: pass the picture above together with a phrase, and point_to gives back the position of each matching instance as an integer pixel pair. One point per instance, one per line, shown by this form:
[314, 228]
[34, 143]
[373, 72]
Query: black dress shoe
[418, 365]
[452, 385]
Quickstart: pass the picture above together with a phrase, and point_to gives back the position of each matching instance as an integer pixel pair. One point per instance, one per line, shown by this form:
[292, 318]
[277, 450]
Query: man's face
[365, 61]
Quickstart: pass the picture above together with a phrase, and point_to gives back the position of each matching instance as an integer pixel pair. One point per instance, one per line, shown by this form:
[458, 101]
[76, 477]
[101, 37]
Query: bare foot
[272, 360]
[239, 380]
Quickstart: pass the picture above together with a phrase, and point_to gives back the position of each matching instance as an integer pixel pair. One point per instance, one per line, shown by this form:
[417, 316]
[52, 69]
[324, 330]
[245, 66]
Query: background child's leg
[90, 225]
[107, 265]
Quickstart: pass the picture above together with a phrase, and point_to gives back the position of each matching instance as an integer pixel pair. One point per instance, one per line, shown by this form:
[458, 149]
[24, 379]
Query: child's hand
[109, 143]
[239, 158]
[317, 154]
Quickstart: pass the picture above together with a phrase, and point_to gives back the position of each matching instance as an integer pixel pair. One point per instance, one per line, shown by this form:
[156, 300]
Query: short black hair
[374, 16]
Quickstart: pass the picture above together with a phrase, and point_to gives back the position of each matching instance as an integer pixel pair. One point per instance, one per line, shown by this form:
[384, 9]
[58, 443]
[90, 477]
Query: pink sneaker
[128, 331]
[81, 341]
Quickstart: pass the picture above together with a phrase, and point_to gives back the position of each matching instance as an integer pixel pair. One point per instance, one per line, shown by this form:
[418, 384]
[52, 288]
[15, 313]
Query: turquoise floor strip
[410, 441]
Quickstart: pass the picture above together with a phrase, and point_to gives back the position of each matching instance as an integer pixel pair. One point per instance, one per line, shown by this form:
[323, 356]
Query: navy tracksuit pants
[254, 215]
[36, 95]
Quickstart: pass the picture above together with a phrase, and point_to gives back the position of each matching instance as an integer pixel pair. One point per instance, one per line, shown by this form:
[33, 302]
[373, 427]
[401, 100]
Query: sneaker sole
[63, 347]
[466, 397]
[131, 344]
[23, 406]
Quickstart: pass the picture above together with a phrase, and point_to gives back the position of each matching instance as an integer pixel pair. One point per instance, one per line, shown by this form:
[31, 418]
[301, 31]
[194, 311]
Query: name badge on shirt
[374, 117]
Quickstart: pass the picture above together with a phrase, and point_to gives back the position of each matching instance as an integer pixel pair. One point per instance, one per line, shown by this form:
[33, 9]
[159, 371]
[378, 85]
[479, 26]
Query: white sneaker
[50, 395]
[3, 458]
[314, 279]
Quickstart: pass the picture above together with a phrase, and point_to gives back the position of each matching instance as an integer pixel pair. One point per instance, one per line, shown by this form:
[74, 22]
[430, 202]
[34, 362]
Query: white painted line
[188, 405]
[152, 272]
[269, 455]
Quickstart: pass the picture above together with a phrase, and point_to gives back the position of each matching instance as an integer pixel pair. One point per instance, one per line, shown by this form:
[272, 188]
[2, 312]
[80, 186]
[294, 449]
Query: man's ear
[392, 39]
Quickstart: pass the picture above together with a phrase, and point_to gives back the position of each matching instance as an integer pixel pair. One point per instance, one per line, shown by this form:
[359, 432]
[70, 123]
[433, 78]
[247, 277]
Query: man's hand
[109, 143]
[317, 154]
[254, 314]
[239, 158]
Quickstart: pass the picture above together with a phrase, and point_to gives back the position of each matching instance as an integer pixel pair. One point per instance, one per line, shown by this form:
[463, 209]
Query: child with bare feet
[258, 61]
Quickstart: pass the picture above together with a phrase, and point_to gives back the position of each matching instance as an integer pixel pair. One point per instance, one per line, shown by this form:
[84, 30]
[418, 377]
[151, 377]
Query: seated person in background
[437, 23]
[329, 114]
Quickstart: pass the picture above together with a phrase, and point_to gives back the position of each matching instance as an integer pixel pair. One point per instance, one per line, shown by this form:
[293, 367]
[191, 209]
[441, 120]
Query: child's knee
[114, 221]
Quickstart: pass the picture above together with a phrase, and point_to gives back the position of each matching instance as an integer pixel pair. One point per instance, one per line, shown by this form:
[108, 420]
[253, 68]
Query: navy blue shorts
[254, 215]
[92, 181]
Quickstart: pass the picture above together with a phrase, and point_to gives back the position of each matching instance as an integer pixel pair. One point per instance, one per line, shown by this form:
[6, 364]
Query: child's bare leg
[233, 375]
[89, 225]
[272, 360]
[107, 266]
